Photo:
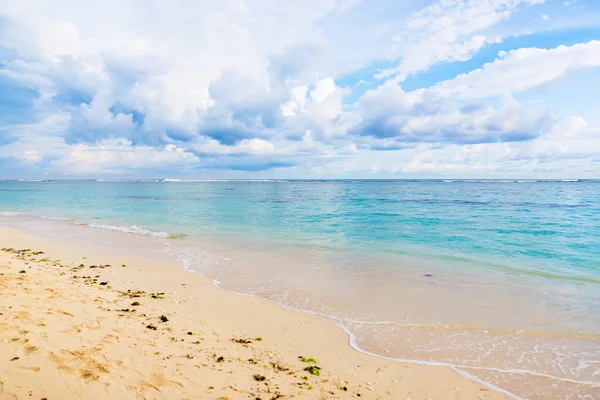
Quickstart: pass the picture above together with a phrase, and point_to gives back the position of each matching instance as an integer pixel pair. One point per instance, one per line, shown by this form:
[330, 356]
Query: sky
[310, 89]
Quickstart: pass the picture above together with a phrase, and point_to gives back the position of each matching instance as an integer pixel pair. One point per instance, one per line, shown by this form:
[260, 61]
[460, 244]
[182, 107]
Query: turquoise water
[505, 256]
[546, 228]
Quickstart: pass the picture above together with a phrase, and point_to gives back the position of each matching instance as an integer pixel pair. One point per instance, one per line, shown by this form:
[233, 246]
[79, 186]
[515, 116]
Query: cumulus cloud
[113, 88]
[318, 110]
[388, 112]
[169, 61]
[521, 69]
[118, 155]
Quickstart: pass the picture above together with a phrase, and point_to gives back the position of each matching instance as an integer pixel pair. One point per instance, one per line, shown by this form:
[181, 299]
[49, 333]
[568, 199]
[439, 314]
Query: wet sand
[76, 324]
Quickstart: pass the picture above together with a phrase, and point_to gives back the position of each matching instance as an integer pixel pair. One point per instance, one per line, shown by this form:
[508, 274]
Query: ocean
[497, 279]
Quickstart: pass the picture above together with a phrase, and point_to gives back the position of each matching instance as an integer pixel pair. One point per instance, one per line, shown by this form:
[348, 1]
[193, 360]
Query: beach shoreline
[96, 349]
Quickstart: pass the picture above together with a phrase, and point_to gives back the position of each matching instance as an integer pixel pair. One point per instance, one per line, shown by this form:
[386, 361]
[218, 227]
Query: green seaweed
[163, 318]
[308, 360]
[313, 370]
[258, 377]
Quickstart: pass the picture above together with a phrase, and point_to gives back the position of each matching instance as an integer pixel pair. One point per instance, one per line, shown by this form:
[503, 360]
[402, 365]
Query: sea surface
[498, 279]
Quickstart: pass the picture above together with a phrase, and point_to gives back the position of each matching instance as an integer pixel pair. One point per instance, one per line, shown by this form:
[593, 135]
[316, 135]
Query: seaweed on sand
[313, 370]
[241, 341]
[131, 294]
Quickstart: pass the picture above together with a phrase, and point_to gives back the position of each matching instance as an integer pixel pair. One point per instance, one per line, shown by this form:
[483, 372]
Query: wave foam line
[459, 367]
[135, 229]
[56, 218]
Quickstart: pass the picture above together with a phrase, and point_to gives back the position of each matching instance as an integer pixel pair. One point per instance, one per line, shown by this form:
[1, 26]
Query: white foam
[9, 213]
[135, 229]
[56, 218]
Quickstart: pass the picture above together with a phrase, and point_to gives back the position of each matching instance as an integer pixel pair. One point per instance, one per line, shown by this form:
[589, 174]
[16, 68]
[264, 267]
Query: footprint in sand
[19, 340]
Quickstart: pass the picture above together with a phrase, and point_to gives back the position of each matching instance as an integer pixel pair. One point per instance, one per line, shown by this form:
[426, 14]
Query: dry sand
[71, 329]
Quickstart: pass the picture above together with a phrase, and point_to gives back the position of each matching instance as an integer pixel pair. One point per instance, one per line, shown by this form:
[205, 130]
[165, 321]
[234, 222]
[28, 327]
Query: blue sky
[311, 89]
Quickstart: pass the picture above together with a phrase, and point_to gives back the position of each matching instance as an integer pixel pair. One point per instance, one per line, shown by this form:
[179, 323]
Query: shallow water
[500, 279]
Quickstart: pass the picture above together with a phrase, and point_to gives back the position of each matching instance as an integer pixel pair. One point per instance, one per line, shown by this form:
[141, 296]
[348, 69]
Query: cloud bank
[295, 89]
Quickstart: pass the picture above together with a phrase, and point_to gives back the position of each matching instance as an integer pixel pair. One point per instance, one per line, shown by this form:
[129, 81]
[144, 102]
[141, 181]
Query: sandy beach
[77, 325]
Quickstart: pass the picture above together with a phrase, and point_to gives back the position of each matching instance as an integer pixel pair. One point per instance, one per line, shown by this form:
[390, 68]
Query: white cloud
[320, 109]
[256, 146]
[257, 85]
[519, 70]
[118, 156]
[388, 112]
[448, 31]
[162, 60]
